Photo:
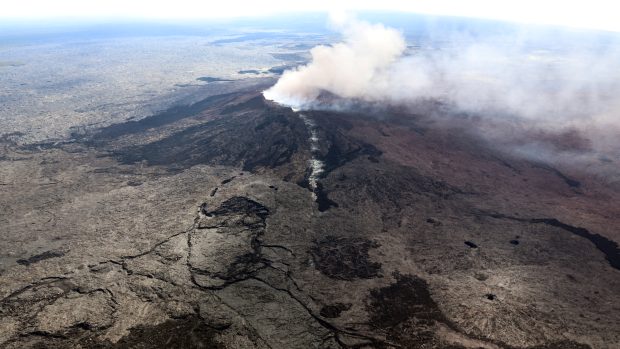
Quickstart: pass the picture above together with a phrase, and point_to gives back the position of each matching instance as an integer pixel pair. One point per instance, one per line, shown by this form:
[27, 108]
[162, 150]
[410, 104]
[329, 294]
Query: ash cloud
[538, 100]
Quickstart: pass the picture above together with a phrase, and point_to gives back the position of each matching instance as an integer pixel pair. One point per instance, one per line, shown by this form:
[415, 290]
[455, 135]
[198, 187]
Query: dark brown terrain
[198, 228]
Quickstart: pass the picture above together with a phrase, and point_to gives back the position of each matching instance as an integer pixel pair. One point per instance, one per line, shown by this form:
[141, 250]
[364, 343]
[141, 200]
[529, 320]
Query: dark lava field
[201, 227]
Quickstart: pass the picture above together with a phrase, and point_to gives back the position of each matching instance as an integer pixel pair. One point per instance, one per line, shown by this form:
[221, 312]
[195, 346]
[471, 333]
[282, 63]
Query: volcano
[235, 222]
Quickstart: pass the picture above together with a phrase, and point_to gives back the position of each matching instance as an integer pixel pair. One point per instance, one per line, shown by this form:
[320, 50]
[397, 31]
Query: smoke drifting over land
[550, 91]
[348, 69]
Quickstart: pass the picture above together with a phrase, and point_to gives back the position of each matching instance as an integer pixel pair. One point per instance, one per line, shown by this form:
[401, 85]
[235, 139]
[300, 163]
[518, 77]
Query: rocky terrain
[198, 227]
[65, 83]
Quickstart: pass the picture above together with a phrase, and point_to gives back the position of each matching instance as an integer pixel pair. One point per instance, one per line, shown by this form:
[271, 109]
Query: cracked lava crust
[198, 228]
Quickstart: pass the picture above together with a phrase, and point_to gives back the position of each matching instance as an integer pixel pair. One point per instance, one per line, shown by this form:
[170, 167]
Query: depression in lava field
[289, 175]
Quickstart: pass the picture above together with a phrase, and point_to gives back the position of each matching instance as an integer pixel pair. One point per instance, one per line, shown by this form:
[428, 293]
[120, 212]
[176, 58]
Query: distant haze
[593, 14]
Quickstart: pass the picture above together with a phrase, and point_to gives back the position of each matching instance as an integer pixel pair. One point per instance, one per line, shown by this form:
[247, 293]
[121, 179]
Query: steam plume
[550, 88]
[347, 69]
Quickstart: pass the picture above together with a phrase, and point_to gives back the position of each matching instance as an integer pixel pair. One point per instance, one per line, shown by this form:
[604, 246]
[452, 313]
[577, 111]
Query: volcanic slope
[199, 229]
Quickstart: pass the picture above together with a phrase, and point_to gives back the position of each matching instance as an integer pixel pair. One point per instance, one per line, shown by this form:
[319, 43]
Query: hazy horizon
[596, 14]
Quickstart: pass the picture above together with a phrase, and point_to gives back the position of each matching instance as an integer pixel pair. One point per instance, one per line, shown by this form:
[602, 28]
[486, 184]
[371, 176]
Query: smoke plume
[549, 89]
[347, 69]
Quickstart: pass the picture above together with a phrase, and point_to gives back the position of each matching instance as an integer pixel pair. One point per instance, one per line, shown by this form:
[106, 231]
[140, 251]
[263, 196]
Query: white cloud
[498, 81]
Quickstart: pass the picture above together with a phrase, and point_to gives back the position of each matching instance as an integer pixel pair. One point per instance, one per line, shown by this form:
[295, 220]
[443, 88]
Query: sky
[588, 14]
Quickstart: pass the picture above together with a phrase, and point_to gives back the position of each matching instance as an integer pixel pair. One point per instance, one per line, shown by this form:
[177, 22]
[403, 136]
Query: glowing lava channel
[316, 166]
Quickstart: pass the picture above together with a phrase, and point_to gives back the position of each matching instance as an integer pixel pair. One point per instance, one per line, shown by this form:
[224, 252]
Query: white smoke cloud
[547, 88]
[348, 69]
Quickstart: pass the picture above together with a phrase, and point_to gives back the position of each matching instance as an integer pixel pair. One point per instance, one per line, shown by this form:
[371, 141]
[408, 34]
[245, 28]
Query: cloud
[347, 69]
[549, 87]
